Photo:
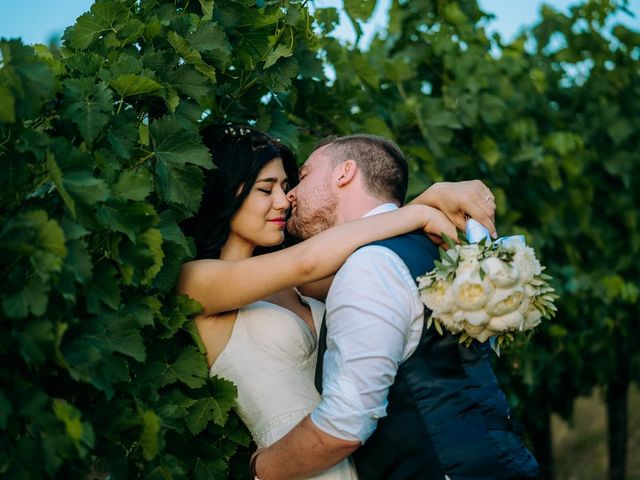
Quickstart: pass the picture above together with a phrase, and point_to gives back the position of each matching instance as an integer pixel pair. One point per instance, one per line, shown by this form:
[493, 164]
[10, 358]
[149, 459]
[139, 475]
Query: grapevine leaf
[122, 134]
[123, 336]
[204, 410]
[32, 298]
[191, 55]
[81, 433]
[279, 77]
[214, 409]
[149, 438]
[129, 85]
[128, 219]
[105, 288]
[359, 9]
[152, 239]
[145, 310]
[211, 38]
[175, 144]
[56, 177]
[103, 17]
[87, 105]
[281, 51]
[36, 341]
[210, 469]
[133, 185]
[226, 395]
[188, 81]
[207, 9]
[174, 256]
[7, 106]
[180, 184]
[189, 368]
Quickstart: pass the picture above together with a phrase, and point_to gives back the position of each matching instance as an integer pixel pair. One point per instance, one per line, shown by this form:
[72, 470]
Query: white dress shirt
[374, 322]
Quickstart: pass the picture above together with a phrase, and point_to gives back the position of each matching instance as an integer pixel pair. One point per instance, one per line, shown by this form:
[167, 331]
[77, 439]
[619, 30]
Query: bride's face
[261, 219]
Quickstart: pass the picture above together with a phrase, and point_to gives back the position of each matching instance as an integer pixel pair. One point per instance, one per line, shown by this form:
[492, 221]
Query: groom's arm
[372, 310]
[305, 450]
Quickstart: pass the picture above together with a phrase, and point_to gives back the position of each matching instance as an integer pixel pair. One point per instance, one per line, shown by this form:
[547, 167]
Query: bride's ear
[345, 172]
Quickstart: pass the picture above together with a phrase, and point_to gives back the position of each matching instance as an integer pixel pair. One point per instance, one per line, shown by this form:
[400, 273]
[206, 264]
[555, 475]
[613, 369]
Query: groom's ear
[345, 172]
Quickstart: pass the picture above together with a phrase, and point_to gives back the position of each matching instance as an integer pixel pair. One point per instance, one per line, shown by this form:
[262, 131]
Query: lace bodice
[271, 358]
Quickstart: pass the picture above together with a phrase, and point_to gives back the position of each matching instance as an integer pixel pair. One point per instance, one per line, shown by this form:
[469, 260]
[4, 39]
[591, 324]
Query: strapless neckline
[297, 317]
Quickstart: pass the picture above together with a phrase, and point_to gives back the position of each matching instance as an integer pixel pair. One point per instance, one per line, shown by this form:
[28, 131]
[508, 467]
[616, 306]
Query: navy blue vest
[446, 412]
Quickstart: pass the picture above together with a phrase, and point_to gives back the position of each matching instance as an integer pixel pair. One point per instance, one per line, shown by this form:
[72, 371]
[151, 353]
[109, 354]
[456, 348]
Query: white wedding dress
[271, 358]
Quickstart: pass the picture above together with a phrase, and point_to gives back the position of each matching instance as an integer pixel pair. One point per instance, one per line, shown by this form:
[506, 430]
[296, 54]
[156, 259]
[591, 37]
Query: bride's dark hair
[239, 152]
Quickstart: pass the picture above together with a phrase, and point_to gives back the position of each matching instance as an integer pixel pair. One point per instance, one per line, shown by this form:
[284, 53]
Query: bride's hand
[459, 200]
[436, 224]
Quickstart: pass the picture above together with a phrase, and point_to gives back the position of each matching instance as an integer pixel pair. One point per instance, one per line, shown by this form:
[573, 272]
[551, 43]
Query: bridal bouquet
[487, 289]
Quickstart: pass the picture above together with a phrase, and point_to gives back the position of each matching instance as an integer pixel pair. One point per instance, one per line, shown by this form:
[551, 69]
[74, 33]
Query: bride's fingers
[436, 239]
[485, 219]
[441, 226]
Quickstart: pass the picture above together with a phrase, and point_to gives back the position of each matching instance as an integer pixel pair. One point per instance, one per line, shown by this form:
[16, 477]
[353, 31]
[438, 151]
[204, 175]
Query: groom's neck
[356, 207]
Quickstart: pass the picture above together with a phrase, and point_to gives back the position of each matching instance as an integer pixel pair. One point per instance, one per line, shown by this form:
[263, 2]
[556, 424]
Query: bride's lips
[280, 221]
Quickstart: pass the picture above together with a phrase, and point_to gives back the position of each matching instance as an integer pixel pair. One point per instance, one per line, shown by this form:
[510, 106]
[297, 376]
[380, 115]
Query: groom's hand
[459, 200]
[302, 452]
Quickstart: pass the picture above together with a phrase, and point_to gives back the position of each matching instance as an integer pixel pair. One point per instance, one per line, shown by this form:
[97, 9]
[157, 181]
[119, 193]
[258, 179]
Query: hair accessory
[236, 132]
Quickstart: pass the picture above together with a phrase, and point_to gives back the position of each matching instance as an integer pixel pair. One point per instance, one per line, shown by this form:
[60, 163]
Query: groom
[404, 401]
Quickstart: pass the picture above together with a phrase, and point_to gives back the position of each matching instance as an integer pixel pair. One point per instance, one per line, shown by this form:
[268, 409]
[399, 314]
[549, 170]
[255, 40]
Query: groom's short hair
[382, 163]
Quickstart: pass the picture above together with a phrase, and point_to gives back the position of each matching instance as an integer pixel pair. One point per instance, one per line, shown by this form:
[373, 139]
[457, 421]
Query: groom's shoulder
[415, 249]
[409, 242]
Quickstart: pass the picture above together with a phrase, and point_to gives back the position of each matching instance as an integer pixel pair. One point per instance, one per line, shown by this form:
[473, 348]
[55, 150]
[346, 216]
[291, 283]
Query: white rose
[500, 273]
[470, 292]
[524, 306]
[484, 335]
[530, 291]
[478, 317]
[438, 297]
[503, 323]
[473, 330]
[504, 301]
[468, 259]
[532, 319]
[527, 263]
[448, 321]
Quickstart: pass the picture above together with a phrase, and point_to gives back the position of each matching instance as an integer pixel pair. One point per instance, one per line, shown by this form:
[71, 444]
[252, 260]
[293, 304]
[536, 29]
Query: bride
[259, 331]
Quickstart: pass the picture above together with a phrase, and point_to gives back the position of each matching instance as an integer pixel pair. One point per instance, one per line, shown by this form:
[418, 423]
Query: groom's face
[313, 200]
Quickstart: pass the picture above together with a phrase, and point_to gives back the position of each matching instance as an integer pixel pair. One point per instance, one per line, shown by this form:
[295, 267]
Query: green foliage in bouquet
[102, 371]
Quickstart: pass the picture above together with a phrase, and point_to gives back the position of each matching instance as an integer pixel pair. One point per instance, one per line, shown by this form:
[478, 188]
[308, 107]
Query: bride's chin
[273, 242]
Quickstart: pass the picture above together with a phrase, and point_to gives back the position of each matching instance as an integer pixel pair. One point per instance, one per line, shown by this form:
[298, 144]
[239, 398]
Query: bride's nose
[281, 200]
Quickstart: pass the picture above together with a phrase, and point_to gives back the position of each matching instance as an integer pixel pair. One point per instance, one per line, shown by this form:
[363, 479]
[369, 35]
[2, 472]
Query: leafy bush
[102, 160]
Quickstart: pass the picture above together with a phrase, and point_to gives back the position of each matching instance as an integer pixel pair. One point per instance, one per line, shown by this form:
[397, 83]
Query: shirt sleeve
[372, 310]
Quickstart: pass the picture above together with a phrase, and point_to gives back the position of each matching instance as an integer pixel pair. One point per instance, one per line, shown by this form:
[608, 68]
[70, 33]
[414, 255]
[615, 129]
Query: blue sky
[36, 21]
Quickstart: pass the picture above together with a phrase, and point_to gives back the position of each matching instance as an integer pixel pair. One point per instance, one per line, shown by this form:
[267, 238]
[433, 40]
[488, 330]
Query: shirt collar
[385, 207]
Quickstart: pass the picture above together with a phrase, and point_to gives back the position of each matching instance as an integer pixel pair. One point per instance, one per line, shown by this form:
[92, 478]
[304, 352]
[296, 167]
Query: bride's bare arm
[221, 285]
[318, 289]
[456, 200]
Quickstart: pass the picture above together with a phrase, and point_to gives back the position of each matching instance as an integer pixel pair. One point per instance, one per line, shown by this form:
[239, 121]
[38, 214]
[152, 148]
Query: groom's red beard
[308, 220]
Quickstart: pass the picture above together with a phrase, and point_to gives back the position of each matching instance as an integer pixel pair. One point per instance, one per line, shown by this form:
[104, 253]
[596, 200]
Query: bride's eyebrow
[267, 180]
